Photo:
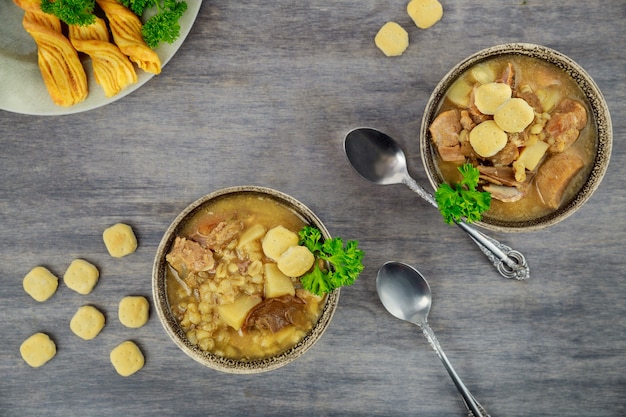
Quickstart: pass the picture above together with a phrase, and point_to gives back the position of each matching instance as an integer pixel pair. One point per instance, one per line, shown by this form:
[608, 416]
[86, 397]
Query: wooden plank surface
[263, 94]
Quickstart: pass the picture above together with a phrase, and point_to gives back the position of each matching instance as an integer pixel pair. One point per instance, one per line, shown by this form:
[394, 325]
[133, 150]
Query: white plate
[22, 89]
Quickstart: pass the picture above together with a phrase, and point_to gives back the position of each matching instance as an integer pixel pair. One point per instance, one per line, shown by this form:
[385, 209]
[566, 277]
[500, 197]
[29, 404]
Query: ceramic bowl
[171, 325]
[596, 105]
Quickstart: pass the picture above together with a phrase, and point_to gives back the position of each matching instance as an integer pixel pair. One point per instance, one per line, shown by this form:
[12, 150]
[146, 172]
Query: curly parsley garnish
[72, 12]
[345, 261]
[163, 26]
[463, 201]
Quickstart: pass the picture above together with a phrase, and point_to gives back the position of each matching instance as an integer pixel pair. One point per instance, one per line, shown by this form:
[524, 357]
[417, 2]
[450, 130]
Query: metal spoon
[379, 159]
[405, 293]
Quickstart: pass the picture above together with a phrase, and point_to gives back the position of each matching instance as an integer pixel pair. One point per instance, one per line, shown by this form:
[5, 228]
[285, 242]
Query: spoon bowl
[404, 296]
[405, 293]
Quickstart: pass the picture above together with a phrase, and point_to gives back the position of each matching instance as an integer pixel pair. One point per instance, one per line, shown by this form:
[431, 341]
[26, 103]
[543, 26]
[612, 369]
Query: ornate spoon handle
[509, 263]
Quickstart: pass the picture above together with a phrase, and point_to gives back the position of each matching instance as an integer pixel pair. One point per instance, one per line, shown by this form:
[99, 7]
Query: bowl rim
[171, 326]
[598, 107]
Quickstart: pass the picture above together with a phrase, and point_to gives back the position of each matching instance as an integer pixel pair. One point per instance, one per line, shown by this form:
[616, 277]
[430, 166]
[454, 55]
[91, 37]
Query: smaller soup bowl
[598, 126]
[173, 325]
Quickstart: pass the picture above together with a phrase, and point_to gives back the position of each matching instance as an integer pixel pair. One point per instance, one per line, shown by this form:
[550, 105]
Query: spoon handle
[509, 263]
[473, 407]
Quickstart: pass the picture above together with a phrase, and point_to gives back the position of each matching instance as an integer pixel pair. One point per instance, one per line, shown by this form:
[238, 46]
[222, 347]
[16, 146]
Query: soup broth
[201, 296]
[550, 85]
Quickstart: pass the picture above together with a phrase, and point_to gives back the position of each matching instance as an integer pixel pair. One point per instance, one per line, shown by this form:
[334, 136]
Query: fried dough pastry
[112, 69]
[126, 29]
[61, 69]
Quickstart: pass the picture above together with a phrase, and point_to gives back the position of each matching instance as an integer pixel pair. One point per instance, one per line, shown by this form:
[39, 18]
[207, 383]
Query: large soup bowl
[596, 105]
[172, 326]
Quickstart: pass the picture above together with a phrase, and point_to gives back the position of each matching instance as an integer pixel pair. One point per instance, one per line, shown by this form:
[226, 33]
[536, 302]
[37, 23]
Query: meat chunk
[445, 131]
[218, 235]
[508, 76]
[554, 176]
[276, 313]
[187, 256]
[506, 155]
[565, 124]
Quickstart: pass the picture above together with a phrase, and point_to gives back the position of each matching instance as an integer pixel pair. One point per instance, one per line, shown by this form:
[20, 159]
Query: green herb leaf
[463, 201]
[346, 261]
[164, 26]
[72, 12]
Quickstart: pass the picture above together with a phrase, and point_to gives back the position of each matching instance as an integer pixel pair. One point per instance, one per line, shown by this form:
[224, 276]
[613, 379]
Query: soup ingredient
[81, 276]
[463, 201]
[345, 262]
[72, 12]
[133, 311]
[277, 240]
[38, 349]
[445, 131]
[487, 139]
[127, 358]
[555, 175]
[235, 313]
[277, 284]
[87, 322]
[295, 261]
[564, 126]
[514, 115]
[40, 283]
[277, 313]
[119, 240]
[425, 13]
[488, 97]
[392, 39]
[530, 157]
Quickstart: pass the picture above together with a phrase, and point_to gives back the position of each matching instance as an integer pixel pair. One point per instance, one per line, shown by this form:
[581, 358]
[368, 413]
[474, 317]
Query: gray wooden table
[263, 94]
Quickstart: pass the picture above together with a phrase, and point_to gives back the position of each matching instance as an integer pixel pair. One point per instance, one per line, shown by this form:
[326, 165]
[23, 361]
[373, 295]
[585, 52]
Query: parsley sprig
[163, 26]
[346, 261]
[463, 201]
[72, 12]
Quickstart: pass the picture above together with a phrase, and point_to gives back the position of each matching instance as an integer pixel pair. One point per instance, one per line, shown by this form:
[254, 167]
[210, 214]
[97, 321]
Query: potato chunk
[40, 283]
[296, 261]
[487, 139]
[488, 97]
[277, 240]
[531, 155]
[255, 232]
[276, 283]
[234, 314]
[392, 39]
[38, 349]
[425, 13]
[514, 115]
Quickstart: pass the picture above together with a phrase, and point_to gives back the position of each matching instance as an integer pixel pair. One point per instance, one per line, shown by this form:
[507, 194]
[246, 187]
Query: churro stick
[126, 29]
[112, 69]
